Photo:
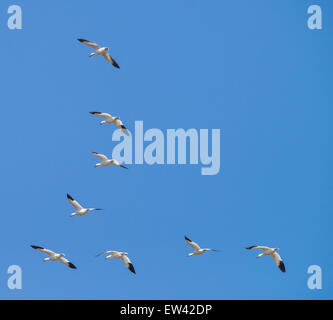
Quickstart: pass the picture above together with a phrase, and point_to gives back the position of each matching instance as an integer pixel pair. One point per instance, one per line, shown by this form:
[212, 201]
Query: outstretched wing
[258, 247]
[127, 263]
[67, 263]
[106, 252]
[89, 43]
[192, 244]
[102, 157]
[278, 261]
[111, 60]
[116, 163]
[74, 203]
[119, 124]
[41, 249]
[107, 116]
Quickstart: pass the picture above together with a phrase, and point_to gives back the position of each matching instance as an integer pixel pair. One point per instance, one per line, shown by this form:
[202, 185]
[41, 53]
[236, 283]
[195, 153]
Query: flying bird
[100, 51]
[109, 119]
[119, 255]
[270, 252]
[54, 256]
[106, 162]
[79, 210]
[196, 249]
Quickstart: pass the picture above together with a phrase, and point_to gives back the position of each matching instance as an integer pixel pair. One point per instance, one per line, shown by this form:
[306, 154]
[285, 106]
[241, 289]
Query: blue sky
[251, 68]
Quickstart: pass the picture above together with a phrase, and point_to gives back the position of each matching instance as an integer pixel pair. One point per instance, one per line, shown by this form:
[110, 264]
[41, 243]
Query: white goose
[197, 250]
[270, 252]
[119, 255]
[79, 210]
[100, 51]
[106, 162]
[54, 256]
[109, 119]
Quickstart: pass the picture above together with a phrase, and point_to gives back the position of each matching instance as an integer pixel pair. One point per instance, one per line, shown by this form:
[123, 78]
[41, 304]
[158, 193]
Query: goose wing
[192, 244]
[74, 203]
[102, 157]
[116, 163]
[107, 116]
[278, 261]
[106, 252]
[41, 249]
[67, 263]
[89, 43]
[258, 247]
[128, 263]
[119, 124]
[108, 57]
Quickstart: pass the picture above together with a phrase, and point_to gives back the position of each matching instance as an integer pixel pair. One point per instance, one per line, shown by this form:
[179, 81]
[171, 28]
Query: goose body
[53, 256]
[267, 251]
[109, 119]
[119, 255]
[106, 162]
[196, 248]
[100, 51]
[79, 210]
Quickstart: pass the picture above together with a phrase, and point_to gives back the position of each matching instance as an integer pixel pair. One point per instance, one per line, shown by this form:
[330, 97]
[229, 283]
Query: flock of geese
[105, 161]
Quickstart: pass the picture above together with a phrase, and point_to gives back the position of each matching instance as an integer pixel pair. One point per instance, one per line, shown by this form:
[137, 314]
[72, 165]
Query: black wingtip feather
[186, 238]
[36, 247]
[282, 267]
[131, 268]
[82, 40]
[71, 265]
[115, 64]
[248, 248]
[69, 197]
